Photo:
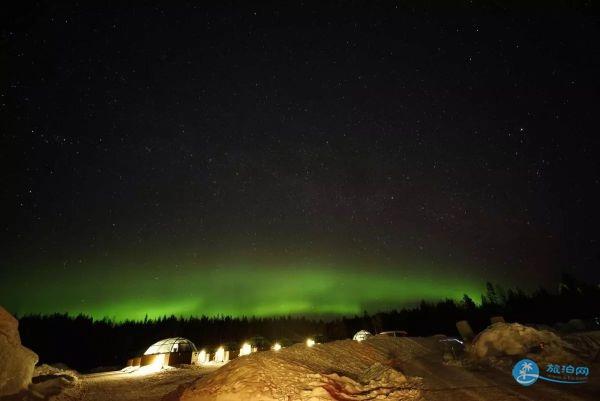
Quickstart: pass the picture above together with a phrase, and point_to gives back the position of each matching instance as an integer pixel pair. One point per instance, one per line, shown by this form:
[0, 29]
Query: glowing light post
[220, 355]
[246, 349]
[202, 357]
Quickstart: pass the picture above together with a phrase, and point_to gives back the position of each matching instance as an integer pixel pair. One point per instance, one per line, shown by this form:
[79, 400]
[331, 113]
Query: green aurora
[122, 294]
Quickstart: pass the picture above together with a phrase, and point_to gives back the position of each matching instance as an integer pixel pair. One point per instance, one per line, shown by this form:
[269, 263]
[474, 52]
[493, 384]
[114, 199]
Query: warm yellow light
[246, 349]
[276, 347]
[310, 342]
[202, 357]
[220, 355]
[159, 362]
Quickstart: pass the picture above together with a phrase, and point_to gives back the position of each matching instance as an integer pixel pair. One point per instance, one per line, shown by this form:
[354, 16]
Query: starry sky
[201, 158]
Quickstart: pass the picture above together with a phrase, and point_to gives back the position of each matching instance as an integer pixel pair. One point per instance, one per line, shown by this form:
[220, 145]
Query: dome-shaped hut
[171, 345]
[170, 351]
[361, 335]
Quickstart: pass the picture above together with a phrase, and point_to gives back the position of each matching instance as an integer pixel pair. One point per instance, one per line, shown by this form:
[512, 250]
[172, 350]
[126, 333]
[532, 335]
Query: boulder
[16, 361]
[515, 340]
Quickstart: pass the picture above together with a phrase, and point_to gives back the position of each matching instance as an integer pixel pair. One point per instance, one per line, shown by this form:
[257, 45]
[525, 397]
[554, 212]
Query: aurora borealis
[240, 291]
[301, 159]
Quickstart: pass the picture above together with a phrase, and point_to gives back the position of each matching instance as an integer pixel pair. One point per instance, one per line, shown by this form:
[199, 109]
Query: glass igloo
[361, 335]
[171, 345]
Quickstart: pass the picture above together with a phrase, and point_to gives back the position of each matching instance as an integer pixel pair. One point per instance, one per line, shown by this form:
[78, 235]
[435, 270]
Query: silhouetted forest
[84, 343]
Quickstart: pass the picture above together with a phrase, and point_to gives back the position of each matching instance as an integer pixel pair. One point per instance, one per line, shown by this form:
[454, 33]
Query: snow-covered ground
[389, 369]
[129, 385]
[380, 368]
[339, 370]
[483, 380]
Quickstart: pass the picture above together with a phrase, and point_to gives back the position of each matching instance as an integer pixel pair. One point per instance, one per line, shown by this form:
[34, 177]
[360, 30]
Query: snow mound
[16, 361]
[45, 372]
[53, 389]
[341, 370]
[517, 340]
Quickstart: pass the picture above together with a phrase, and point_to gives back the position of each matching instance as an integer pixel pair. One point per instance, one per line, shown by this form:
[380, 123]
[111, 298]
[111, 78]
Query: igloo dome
[361, 335]
[171, 345]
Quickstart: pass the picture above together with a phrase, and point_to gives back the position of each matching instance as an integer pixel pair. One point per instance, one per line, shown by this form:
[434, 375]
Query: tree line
[83, 343]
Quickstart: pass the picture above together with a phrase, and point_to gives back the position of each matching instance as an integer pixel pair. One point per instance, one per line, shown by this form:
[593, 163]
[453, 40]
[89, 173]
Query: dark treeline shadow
[84, 343]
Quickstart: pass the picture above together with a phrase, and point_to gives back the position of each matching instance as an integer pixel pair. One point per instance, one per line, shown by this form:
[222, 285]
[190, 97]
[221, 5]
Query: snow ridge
[342, 370]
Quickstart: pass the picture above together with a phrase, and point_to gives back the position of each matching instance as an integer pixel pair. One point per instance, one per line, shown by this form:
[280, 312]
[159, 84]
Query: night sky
[309, 159]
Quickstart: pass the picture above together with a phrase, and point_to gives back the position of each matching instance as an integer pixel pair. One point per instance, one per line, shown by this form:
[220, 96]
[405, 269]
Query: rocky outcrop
[16, 361]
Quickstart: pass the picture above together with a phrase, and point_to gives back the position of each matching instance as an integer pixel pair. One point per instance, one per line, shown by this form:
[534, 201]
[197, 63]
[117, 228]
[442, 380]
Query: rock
[9, 327]
[518, 341]
[46, 372]
[16, 362]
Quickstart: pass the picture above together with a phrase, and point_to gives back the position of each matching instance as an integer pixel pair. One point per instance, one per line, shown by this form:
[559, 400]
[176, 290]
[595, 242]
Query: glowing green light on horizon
[241, 291]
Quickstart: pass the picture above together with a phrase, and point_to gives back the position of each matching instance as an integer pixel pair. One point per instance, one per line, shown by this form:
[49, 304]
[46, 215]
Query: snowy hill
[340, 370]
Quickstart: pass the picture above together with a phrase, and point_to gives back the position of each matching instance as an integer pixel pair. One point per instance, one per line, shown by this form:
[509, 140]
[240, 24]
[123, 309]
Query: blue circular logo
[526, 372]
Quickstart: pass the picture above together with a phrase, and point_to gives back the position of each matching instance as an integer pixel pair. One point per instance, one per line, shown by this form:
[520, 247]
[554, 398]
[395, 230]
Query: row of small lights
[247, 348]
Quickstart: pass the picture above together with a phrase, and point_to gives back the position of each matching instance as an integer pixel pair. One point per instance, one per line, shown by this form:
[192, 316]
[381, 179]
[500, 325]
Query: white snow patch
[42, 371]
